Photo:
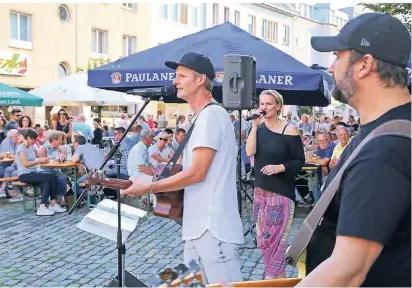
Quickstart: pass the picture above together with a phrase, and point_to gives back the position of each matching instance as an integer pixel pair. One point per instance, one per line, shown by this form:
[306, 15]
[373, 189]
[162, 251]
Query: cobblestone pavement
[51, 251]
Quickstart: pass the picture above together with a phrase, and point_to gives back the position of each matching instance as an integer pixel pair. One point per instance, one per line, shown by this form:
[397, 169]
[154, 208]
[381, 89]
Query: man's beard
[344, 91]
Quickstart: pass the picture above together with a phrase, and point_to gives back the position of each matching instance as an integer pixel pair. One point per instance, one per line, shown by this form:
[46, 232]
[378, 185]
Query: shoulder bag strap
[400, 128]
[168, 169]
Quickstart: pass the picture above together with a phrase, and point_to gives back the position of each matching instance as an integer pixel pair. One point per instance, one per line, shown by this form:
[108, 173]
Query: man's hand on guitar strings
[142, 185]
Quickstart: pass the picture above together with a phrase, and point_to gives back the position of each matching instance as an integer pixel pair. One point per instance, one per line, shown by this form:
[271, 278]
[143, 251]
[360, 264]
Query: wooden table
[65, 165]
[6, 160]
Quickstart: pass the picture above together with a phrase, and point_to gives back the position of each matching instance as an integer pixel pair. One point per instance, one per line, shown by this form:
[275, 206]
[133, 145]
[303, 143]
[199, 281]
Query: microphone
[148, 92]
[254, 116]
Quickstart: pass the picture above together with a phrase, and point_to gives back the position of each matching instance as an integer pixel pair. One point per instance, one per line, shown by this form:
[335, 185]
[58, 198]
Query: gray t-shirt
[90, 156]
[31, 156]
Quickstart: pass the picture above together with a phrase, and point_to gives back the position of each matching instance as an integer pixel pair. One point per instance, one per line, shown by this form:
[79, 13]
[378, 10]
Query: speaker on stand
[239, 93]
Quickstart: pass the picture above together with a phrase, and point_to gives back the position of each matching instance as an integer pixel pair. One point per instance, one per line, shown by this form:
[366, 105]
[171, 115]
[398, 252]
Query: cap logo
[365, 42]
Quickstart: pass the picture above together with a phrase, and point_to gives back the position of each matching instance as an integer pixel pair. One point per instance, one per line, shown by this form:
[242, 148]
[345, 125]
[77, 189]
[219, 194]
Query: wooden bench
[8, 179]
[24, 187]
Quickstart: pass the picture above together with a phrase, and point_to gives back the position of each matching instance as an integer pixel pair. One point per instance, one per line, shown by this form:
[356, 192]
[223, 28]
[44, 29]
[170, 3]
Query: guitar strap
[401, 128]
[168, 169]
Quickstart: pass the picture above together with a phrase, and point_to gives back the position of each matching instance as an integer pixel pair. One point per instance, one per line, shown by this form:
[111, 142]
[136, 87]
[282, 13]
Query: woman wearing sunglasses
[63, 124]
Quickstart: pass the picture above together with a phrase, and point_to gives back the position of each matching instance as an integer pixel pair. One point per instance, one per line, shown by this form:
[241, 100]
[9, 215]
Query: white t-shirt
[154, 149]
[212, 204]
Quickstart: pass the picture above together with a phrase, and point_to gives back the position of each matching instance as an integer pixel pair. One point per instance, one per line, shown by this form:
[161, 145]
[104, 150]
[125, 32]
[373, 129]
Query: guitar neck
[111, 183]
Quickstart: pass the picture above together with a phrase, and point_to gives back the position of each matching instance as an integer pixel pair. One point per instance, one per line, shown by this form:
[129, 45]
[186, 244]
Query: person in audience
[97, 133]
[157, 152]
[28, 167]
[179, 136]
[62, 123]
[278, 155]
[138, 160]
[143, 123]
[123, 122]
[8, 150]
[15, 116]
[125, 146]
[323, 154]
[181, 122]
[81, 126]
[305, 125]
[352, 125]
[52, 150]
[3, 123]
[334, 124]
[322, 126]
[89, 155]
[343, 136]
[25, 122]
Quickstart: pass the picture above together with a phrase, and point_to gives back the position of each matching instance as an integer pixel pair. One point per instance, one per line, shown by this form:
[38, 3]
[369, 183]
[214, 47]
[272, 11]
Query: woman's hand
[256, 122]
[272, 169]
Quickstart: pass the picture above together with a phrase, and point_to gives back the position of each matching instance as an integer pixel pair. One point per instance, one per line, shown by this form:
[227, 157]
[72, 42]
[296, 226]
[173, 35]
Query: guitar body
[170, 204]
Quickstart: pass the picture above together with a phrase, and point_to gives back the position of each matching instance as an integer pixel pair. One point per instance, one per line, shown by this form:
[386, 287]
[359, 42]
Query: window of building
[193, 16]
[264, 27]
[275, 32]
[237, 18]
[131, 6]
[285, 36]
[163, 11]
[99, 41]
[226, 14]
[270, 30]
[64, 15]
[129, 45]
[215, 14]
[174, 12]
[20, 30]
[62, 70]
[202, 15]
[183, 13]
[251, 27]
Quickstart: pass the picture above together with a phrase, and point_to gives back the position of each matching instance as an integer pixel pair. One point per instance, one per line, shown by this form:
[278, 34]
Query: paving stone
[256, 277]
[249, 264]
[12, 282]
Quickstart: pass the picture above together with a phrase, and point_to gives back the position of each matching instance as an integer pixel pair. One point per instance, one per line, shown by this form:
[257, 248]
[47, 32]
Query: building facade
[40, 43]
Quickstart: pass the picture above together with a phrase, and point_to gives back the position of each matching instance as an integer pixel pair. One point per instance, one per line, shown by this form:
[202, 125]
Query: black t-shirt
[274, 149]
[373, 203]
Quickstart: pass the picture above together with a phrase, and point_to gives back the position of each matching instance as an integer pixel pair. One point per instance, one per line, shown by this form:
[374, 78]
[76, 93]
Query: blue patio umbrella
[275, 69]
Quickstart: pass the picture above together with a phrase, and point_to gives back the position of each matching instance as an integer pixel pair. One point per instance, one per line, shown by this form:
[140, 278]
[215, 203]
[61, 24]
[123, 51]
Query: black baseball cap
[379, 34]
[197, 62]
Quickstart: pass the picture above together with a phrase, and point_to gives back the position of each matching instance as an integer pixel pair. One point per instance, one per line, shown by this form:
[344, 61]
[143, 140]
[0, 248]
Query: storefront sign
[13, 63]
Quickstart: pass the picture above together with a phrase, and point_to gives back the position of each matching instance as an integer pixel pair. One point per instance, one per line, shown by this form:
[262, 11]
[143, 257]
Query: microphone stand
[121, 248]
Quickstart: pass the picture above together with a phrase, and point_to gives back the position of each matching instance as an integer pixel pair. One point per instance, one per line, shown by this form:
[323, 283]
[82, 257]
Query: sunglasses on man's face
[163, 139]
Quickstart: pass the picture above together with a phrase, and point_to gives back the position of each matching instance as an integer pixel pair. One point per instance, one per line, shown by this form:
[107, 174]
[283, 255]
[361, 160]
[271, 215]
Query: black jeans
[47, 182]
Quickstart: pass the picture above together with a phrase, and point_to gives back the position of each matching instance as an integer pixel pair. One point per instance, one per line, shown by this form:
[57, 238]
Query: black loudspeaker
[239, 82]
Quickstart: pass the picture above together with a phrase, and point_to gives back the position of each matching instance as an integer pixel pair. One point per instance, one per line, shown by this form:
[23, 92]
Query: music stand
[122, 276]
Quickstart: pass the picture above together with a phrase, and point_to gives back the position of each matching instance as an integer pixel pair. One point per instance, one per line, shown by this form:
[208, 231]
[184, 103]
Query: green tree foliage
[402, 11]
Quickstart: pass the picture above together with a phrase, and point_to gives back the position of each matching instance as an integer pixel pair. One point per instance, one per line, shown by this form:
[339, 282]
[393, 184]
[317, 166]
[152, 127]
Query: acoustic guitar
[169, 205]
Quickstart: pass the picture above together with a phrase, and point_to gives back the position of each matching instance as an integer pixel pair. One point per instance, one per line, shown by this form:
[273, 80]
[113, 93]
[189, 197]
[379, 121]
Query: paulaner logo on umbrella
[116, 78]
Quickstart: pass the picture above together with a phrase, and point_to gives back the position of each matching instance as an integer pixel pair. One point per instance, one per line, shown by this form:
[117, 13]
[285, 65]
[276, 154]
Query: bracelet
[151, 188]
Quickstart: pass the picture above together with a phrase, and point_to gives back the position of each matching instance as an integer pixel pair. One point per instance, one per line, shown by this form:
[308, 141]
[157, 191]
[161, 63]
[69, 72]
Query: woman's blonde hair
[278, 99]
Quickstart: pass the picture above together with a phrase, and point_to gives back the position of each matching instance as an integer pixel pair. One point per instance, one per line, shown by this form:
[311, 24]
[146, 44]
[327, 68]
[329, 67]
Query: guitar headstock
[94, 182]
[178, 276]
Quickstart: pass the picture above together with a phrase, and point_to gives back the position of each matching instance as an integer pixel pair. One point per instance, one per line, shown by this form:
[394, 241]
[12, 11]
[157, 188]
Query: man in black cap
[364, 238]
[212, 228]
